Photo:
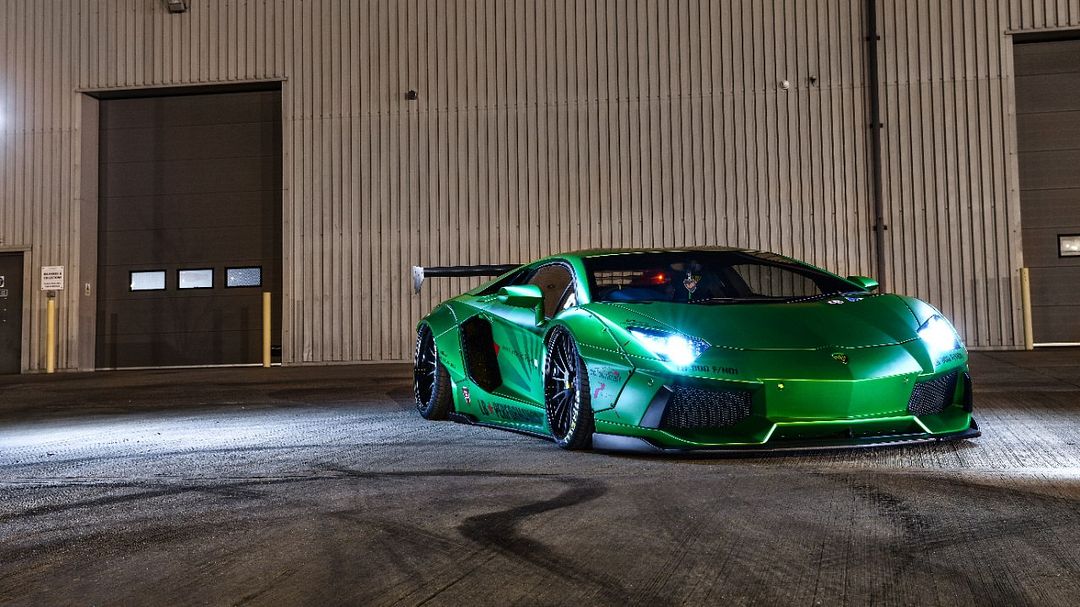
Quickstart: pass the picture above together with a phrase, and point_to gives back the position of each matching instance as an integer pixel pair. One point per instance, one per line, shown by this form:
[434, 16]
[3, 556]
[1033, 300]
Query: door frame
[90, 230]
[24, 351]
[1025, 37]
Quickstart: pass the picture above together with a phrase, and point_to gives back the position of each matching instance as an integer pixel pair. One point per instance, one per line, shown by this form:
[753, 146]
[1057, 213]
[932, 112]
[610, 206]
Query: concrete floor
[322, 486]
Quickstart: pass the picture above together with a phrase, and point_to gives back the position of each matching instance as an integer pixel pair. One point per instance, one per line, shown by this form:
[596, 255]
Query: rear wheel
[566, 392]
[431, 383]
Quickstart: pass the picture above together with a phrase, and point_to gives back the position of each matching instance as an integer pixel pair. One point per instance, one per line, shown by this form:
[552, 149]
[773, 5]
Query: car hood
[841, 321]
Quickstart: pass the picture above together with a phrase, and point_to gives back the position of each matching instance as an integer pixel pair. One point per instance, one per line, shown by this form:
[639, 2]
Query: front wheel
[566, 392]
[431, 382]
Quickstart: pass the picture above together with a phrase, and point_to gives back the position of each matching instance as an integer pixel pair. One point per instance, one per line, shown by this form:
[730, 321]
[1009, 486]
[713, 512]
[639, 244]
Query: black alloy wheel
[431, 383]
[566, 392]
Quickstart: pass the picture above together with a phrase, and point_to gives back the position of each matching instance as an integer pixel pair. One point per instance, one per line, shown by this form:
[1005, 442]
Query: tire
[431, 383]
[566, 392]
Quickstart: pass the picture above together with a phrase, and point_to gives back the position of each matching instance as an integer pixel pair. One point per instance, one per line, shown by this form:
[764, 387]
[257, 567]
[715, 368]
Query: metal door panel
[1048, 129]
[11, 310]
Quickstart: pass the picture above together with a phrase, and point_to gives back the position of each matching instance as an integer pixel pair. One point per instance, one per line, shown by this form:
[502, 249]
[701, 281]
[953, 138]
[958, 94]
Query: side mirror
[864, 281]
[521, 296]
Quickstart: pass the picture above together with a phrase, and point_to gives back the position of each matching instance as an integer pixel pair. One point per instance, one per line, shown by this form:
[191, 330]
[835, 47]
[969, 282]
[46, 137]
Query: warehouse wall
[951, 182]
[544, 126]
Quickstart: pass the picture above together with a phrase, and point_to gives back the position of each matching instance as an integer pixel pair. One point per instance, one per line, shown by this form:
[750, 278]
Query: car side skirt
[469, 420]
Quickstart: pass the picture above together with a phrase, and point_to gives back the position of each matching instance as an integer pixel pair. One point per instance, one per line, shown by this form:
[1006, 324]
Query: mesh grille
[932, 396]
[697, 408]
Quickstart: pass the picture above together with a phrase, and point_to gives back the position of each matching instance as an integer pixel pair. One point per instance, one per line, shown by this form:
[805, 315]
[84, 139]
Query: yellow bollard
[1025, 302]
[266, 330]
[50, 336]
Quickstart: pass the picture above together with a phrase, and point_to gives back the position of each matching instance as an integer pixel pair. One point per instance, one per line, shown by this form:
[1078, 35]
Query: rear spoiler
[419, 273]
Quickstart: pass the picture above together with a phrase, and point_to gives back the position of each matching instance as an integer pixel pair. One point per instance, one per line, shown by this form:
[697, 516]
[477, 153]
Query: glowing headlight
[673, 347]
[939, 337]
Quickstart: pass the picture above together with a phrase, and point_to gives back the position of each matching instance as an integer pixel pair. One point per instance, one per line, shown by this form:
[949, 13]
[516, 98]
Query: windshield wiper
[822, 296]
[737, 300]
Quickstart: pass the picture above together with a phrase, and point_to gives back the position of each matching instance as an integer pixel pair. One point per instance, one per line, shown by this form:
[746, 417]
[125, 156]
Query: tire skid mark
[152, 490]
[500, 530]
[399, 540]
[94, 541]
[155, 490]
[282, 576]
[932, 532]
[454, 581]
[924, 533]
[216, 451]
[495, 530]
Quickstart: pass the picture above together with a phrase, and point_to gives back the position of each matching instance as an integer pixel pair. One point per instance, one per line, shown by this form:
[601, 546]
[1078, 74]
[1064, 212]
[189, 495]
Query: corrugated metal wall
[550, 125]
[950, 171]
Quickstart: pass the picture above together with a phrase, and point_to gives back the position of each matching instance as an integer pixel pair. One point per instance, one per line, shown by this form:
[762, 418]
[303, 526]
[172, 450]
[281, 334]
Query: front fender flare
[605, 361]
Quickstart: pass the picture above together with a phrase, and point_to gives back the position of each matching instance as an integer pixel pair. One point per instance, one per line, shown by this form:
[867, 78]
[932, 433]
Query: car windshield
[708, 277]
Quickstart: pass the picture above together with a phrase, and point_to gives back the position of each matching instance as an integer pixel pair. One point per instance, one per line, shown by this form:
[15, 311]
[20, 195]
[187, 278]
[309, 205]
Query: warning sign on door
[52, 278]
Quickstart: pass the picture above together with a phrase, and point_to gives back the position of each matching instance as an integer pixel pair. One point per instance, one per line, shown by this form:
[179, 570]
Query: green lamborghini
[690, 349]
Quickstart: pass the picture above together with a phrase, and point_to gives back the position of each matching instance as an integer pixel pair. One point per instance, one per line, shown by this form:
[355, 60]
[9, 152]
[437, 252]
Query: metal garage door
[1048, 130]
[190, 228]
[11, 309]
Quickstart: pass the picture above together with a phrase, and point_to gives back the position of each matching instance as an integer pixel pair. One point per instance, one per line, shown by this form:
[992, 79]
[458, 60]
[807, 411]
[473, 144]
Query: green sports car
[690, 349]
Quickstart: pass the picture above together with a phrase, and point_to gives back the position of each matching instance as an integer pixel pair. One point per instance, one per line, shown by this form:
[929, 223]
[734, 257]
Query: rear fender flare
[441, 319]
[443, 322]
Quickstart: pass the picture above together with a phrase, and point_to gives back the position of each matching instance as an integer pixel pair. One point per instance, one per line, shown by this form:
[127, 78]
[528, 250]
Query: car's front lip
[640, 444]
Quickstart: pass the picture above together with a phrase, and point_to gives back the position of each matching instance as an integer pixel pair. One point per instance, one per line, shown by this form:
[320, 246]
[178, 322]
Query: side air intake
[930, 397]
[691, 408]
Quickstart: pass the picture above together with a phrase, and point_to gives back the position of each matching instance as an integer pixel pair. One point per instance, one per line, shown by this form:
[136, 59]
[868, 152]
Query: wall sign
[52, 278]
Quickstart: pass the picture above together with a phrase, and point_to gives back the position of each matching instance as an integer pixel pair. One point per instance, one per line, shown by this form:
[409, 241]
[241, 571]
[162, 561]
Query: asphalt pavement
[322, 486]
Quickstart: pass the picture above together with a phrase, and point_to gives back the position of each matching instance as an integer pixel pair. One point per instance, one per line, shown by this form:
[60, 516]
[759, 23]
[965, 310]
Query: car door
[519, 337]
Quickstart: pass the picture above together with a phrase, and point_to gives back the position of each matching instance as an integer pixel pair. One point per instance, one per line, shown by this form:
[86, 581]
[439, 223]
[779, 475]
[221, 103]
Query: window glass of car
[708, 277]
[555, 282]
[516, 277]
[769, 280]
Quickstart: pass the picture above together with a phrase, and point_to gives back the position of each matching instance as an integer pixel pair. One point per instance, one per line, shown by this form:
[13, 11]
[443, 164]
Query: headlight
[673, 347]
[939, 337]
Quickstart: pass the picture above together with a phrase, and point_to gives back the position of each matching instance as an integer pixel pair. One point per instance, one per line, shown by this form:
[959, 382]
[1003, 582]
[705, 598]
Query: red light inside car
[650, 278]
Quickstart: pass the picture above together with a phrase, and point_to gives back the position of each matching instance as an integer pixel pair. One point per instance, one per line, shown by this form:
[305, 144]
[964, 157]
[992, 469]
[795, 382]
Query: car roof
[586, 253]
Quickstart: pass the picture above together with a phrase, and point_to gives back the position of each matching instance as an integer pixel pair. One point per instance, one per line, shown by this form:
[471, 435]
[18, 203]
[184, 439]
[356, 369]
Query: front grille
[696, 408]
[932, 396]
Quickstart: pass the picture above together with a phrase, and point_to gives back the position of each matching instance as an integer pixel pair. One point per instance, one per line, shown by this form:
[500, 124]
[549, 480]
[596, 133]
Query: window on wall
[151, 280]
[243, 277]
[1069, 245]
[195, 279]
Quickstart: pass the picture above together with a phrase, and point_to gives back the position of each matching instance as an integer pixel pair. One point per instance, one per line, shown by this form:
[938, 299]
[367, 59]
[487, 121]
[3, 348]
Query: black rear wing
[419, 273]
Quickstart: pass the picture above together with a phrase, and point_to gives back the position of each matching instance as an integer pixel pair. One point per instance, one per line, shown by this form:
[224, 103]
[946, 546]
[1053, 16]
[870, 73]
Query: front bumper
[784, 413]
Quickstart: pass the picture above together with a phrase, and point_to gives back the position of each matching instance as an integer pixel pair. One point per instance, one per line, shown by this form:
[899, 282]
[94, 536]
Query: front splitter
[636, 444]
